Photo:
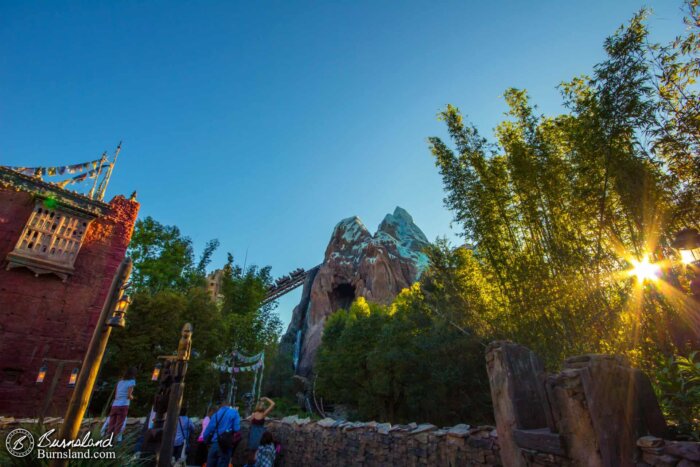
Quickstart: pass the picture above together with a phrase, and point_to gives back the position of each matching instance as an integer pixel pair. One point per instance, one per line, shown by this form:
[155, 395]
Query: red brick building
[59, 251]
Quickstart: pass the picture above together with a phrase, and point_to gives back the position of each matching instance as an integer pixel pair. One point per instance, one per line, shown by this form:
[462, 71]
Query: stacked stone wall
[339, 443]
[663, 453]
[336, 443]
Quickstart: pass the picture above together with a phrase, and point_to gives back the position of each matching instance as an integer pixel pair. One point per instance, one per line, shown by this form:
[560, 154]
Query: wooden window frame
[50, 241]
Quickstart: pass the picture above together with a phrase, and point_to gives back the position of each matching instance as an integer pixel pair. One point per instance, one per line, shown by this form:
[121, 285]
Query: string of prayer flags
[58, 170]
[246, 359]
[31, 171]
[82, 177]
[238, 369]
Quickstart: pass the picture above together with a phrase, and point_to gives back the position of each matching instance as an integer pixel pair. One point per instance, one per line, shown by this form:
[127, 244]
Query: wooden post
[91, 195]
[231, 396]
[49, 395]
[170, 426]
[514, 377]
[177, 388]
[92, 361]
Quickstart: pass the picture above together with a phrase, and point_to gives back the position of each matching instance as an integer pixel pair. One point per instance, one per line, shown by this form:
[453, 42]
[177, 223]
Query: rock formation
[356, 264]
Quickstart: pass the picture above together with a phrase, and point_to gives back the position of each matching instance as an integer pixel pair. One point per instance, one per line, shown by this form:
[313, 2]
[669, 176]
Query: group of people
[220, 434]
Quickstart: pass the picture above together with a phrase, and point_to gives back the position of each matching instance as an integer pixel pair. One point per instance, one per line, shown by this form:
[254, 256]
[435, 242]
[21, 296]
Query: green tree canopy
[555, 211]
[402, 363]
[164, 258]
[168, 290]
[558, 208]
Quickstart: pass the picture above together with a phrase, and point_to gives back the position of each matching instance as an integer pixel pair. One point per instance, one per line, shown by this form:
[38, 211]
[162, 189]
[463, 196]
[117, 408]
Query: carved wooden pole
[177, 389]
[93, 359]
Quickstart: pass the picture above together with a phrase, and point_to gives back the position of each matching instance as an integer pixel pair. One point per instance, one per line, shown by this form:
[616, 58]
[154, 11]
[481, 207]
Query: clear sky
[262, 123]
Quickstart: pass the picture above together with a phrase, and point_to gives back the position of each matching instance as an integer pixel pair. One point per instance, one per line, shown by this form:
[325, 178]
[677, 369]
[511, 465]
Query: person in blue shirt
[185, 428]
[224, 422]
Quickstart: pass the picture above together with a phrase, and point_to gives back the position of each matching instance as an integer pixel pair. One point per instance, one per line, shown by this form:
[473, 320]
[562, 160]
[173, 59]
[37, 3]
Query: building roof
[43, 189]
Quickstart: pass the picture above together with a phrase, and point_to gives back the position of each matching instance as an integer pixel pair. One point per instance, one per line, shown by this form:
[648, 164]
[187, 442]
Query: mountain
[356, 264]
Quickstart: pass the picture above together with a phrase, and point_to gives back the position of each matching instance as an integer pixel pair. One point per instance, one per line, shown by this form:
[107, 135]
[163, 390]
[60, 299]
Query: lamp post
[115, 303]
[168, 400]
[687, 243]
[177, 390]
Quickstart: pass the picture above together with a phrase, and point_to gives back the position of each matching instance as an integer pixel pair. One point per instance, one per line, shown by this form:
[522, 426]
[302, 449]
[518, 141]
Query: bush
[678, 383]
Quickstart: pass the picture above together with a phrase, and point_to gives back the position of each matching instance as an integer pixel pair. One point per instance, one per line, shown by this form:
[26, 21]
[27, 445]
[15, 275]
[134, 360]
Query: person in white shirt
[123, 395]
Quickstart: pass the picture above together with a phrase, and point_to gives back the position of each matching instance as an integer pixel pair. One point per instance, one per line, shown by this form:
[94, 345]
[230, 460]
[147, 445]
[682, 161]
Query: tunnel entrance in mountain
[342, 297]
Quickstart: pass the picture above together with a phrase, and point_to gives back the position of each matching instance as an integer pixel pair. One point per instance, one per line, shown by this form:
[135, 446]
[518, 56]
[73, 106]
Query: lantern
[156, 372]
[117, 320]
[73, 378]
[42, 373]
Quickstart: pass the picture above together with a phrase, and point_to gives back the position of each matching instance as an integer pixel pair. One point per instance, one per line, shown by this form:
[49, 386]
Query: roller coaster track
[286, 284]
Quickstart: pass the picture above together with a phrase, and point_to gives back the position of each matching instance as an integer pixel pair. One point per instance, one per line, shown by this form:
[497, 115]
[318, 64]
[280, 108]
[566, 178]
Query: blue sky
[263, 124]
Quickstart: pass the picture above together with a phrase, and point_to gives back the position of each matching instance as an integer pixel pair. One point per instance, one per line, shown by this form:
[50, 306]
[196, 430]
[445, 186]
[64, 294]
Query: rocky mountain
[356, 264]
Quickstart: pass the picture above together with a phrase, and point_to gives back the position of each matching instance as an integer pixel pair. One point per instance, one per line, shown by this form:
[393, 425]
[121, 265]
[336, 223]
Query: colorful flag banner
[246, 359]
[238, 369]
[59, 170]
[83, 177]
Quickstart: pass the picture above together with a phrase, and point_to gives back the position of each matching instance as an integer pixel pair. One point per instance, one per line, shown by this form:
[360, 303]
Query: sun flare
[643, 270]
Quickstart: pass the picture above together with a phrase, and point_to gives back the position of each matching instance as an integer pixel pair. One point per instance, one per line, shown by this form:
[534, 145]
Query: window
[50, 241]
[11, 375]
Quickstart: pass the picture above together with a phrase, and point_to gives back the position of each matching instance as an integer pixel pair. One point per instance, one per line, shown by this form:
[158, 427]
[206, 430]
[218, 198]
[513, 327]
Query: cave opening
[342, 297]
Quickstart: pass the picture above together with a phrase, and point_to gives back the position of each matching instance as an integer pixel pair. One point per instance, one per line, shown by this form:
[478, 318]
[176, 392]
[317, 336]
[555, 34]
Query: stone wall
[338, 443]
[662, 453]
[42, 317]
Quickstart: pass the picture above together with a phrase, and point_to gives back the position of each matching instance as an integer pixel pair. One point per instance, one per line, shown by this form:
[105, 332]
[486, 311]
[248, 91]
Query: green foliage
[402, 363]
[343, 363]
[279, 374]
[287, 406]
[677, 136]
[252, 327]
[557, 207]
[163, 258]
[678, 381]
[153, 329]
[456, 290]
[168, 291]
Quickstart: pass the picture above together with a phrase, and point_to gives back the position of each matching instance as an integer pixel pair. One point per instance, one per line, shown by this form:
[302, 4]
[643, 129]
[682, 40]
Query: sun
[643, 270]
